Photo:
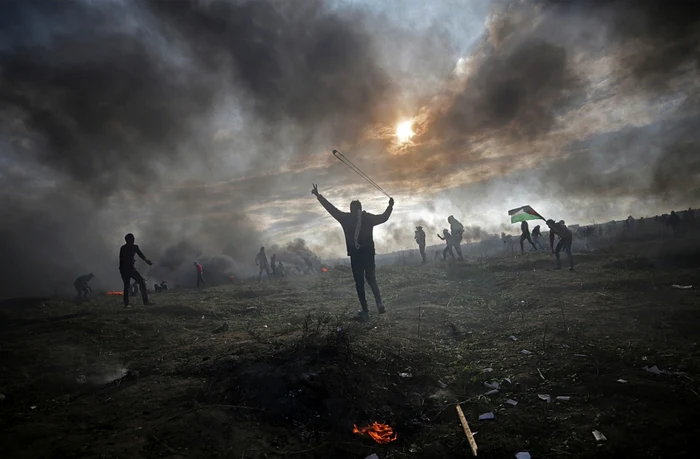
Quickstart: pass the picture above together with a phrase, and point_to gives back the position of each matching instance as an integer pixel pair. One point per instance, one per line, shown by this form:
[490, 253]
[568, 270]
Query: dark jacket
[348, 221]
[127, 256]
[524, 227]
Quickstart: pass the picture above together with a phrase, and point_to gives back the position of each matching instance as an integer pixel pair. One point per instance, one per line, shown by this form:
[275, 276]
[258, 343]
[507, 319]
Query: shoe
[380, 308]
[149, 303]
[363, 316]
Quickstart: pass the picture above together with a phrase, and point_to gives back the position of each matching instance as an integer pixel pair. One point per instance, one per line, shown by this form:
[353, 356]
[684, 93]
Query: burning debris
[113, 293]
[381, 433]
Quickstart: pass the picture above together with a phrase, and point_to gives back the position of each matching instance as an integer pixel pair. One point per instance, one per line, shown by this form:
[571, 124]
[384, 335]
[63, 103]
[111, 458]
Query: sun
[404, 131]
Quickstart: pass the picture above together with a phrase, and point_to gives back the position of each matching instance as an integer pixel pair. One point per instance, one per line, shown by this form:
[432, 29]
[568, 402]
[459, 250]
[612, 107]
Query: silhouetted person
[457, 231]
[447, 237]
[359, 241]
[127, 259]
[162, 287]
[674, 222]
[273, 264]
[525, 236]
[261, 261]
[565, 241]
[536, 235]
[420, 240]
[81, 285]
[200, 274]
[309, 266]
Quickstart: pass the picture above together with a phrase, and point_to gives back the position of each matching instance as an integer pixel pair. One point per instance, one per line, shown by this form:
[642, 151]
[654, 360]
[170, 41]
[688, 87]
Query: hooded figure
[457, 231]
[81, 285]
[358, 228]
[420, 240]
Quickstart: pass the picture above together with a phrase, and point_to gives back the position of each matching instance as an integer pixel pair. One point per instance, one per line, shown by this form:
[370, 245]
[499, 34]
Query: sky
[200, 126]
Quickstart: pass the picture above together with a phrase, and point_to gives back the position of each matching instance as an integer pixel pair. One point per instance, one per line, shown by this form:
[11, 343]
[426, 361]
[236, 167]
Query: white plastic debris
[492, 385]
[264, 326]
[372, 456]
[507, 380]
[510, 401]
[580, 355]
[492, 392]
[683, 287]
[486, 416]
[202, 317]
[33, 407]
[563, 398]
[512, 338]
[622, 381]
[544, 397]
[654, 369]
[523, 455]
[525, 352]
[406, 375]
[487, 370]
[599, 435]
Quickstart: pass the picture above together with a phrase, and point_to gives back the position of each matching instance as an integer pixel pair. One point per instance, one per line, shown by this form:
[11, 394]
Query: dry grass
[293, 372]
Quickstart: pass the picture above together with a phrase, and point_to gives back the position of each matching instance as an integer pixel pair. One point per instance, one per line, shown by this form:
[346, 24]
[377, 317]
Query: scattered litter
[414, 448]
[510, 401]
[264, 326]
[682, 286]
[512, 338]
[250, 308]
[442, 384]
[544, 397]
[492, 392]
[563, 398]
[2, 397]
[541, 375]
[508, 380]
[622, 381]
[486, 416]
[653, 369]
[525, 352]
[522, 455]
[372, 456]
[580, 355]
[487, 370]
[222, 328]
[338, 330]
[33, 407]
[599, 435]
[406, 375]
[202, 317]
[493, 385]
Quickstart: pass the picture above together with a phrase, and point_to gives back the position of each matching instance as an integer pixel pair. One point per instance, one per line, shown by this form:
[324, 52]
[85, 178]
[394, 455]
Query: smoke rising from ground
[182, 121]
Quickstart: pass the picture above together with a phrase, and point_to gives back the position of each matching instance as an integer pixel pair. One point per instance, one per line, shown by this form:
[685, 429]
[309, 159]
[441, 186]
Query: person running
[536, 235]
[525, 230]
[457, 231]
[420, 240]
[82, 287]
[447, 237]
[127, 259]
[200, 274]
[565, 241]
[261, 261]
[358, 228]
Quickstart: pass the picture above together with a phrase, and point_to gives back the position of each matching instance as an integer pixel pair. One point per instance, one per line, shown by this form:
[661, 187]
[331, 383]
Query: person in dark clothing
[162, 287]
[536, 235]
[420, 240]
[525, 229]
[309, 266]
[565, 241]
[81, 285]
[358, 226]
[447, 237]
[127, 259]
[674, 222]
[261, 261]
[200, 274]
[457, 231]
[273, 264]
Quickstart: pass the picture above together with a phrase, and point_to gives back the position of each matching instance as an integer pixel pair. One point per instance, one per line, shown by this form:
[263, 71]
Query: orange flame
[115, 293]
[381, 433]
[324, 270]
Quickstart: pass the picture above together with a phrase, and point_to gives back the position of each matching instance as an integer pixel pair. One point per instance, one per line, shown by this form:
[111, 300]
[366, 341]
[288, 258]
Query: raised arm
[330, 208]
[379, 219]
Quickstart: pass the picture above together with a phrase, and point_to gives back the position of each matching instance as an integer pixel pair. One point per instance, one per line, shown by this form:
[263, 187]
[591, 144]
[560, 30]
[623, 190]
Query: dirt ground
[281, 370]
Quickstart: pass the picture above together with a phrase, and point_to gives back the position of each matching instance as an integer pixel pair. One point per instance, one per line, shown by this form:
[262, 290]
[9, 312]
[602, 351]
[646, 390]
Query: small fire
[324, 270]
[381, 433]
[115, 293]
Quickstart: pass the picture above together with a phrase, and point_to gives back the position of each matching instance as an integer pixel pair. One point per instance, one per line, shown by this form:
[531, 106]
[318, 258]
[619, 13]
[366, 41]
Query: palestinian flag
[524, 213]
